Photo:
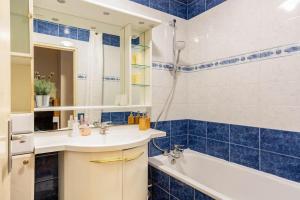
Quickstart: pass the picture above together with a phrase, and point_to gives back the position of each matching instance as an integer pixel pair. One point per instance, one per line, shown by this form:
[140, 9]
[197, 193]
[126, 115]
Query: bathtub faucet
[177, 152]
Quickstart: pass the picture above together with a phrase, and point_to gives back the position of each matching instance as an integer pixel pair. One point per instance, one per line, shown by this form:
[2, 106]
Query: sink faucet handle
[106, 124]
[178, 147]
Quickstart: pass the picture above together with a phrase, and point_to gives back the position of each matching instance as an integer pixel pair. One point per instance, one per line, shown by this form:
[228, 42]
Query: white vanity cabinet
[22, 177]
[135, 174]
[117, 175]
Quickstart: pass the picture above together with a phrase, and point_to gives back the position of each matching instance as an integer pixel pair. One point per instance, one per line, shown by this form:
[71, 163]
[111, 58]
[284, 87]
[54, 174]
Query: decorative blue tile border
[81, 76]
[165, 187]
[111, 78]
[162, 66]
[271, 53]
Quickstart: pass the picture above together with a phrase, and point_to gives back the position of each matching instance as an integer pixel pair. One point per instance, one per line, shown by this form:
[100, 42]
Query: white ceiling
[95, 12]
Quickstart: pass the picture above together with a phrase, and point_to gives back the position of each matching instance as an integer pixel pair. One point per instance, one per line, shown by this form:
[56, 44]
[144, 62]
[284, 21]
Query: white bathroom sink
[117, 138]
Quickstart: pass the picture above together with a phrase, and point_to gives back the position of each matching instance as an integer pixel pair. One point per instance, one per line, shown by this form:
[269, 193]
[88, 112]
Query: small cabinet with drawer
[22, 177]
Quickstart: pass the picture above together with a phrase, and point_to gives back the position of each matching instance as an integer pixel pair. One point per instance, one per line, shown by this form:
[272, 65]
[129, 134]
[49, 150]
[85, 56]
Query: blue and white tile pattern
[272, 53]
[261, 55]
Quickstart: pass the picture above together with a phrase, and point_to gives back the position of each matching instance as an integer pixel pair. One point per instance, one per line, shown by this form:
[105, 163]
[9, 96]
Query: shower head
[180, 45]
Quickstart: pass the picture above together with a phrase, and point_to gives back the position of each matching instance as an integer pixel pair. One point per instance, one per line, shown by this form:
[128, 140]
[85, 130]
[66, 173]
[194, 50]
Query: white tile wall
[264, 93]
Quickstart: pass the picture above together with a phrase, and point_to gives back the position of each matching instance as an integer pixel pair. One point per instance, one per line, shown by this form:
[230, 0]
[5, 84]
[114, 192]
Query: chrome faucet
[177, 152]
[103, 126]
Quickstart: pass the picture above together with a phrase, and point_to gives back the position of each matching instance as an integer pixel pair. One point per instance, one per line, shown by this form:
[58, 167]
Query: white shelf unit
[22, 97]
[71, 108]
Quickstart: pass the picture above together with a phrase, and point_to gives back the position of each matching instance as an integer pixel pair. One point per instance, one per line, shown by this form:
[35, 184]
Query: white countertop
[117, 138]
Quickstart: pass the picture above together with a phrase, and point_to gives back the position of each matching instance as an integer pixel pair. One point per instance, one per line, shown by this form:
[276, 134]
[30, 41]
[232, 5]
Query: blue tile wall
[176, 134]
[162, 5]
[195, 8]
[67, 31]
[185, 9]
[60, 30]
[272, 151]
[281, 142]
[244, 135]
[135, 41]
[111, 40]
[165, 187]
[218, 131]
[244, 156]
[174, 7]
[117, 118]
[281, 165]
[46, 27]
[218, 149]
[212, 3]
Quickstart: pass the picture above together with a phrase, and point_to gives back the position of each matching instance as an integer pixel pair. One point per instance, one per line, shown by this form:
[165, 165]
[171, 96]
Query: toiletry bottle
[75, 129]
[148, 121]
[133, 58]
[70, 122]
[131, 119]
[81, 120]
[143, 123]
[84, 128]
[137, 118]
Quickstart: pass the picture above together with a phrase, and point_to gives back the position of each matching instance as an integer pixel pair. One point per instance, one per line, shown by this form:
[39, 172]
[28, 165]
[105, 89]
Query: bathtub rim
[153, 161]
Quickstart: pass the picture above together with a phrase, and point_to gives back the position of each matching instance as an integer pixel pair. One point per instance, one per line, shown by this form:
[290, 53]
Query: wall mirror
[86, 54]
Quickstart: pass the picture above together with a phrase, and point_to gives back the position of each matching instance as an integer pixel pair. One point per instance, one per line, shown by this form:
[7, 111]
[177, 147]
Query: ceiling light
[289, 5]
[67, 43]
[61, 1]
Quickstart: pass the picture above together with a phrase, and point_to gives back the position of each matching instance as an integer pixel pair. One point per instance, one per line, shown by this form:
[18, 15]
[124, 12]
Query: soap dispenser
[131, 119]
[143, 123]
[137, 118]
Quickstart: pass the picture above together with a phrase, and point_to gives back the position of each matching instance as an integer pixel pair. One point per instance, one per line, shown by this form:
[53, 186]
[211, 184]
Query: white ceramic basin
[117, 138]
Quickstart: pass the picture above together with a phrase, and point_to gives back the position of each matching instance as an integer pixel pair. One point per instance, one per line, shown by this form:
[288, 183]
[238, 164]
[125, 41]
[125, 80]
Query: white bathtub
[223, 180]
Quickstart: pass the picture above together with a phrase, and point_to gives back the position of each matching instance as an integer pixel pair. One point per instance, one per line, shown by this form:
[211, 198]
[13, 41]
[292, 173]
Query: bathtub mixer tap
[177, 152]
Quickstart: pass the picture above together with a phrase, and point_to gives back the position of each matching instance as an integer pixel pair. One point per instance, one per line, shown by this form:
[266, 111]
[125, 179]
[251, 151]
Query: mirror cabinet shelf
[94, 108]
